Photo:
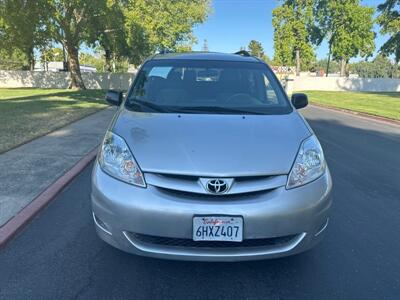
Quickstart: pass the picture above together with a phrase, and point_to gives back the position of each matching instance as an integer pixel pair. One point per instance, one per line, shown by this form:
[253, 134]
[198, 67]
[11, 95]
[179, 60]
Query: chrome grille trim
[192, 184]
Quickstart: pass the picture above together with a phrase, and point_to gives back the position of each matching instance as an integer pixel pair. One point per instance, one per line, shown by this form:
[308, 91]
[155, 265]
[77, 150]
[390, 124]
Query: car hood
[212, 144]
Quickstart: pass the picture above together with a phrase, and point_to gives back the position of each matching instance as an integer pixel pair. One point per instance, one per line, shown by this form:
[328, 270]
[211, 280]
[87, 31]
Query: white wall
[18, 79]
[343, 84]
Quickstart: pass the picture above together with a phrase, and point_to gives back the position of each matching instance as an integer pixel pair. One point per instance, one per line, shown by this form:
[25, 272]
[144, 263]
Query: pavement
[28, 170]
[59, 256]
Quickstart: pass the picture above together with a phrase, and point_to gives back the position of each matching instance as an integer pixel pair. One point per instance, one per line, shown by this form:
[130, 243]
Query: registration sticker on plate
[218, 228]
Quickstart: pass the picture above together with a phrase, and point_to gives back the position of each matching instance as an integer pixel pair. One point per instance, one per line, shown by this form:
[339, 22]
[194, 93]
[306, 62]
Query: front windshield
[190, 86]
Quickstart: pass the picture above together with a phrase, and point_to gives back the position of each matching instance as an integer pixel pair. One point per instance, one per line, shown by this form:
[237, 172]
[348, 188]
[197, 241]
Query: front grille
[193, 186]
[211, 197]
[188, 243]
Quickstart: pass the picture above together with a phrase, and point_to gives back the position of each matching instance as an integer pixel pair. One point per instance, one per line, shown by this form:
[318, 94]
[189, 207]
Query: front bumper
[122, 212]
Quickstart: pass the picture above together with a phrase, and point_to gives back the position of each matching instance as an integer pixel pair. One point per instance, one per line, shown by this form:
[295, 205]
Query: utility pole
[205, 46]
[297, 62]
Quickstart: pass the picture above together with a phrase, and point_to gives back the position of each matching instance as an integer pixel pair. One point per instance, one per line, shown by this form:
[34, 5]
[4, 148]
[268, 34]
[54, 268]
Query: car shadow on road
[158, 278]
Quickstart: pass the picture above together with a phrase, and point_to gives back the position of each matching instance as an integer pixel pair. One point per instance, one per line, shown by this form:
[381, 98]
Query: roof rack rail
[243, 53]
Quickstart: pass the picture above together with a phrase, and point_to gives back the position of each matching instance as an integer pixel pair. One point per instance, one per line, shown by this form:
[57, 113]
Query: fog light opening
[99, 223]
[323, 227]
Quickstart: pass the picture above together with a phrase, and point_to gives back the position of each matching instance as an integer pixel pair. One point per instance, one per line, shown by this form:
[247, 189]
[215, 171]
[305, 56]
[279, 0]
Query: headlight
[309, 164]
[117, 160]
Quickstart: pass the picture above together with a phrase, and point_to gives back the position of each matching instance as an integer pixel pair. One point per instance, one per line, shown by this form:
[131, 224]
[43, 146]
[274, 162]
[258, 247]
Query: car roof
[205, 56]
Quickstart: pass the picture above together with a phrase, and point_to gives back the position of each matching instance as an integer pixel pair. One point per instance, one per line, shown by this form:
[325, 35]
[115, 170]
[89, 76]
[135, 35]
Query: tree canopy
[159, 24]
[348, 28]
[346, 25]
[389, 20]
[322, 65]
[256, 49]
[71, 23]
[21, 28]
[292, 23]
[124, 29]
[380, 67]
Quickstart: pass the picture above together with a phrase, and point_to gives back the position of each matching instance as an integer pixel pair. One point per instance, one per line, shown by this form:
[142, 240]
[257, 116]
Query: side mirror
[299, 100]
[114, 97]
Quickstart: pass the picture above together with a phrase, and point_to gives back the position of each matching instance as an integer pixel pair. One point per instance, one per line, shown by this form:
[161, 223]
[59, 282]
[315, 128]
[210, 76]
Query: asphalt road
[59, 256]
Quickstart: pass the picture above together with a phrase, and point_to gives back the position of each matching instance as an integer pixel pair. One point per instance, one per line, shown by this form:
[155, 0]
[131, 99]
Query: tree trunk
[65, 61]
[74, 69]
[329, 61]
[297, 62]
[108, 60]
[342, 67]
[32, 65]
[31, 59]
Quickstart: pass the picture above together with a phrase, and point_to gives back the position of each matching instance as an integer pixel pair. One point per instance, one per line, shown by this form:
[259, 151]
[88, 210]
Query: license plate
[218, 228]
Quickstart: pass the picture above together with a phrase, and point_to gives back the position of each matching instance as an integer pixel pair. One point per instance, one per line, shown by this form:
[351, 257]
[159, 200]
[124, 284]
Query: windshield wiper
[148, 104]
[216, 109]
[192, 109]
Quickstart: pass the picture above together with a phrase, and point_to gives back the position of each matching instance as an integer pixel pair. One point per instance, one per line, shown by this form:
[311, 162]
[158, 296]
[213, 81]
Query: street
[59, 256]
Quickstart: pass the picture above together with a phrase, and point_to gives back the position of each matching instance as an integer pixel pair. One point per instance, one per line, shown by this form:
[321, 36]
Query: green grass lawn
[29, 113]
[379, 104]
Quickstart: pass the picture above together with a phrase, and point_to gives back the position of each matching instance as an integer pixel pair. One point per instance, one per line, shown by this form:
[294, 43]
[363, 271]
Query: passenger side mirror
[114, 97]
[299, 100]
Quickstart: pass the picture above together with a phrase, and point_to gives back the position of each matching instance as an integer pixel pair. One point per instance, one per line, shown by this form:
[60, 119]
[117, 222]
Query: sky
[233, 23]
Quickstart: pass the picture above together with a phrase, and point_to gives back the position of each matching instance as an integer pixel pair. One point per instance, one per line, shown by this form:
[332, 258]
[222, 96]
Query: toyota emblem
[217, 186]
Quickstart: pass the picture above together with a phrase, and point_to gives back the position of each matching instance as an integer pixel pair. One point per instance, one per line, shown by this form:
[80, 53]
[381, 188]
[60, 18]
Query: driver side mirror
[299, 100]
[114, 97]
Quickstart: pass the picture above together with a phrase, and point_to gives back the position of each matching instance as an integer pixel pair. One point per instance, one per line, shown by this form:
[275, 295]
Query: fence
[24, 79]
[121, 81]
[342, 84]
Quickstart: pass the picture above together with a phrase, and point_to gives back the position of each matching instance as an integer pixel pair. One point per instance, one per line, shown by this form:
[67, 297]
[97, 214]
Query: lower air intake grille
[177, 242]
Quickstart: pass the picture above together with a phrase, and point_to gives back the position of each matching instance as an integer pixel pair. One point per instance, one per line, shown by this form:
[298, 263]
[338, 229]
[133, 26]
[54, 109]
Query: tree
[96, 60]
[153, 25]
[267, 59]
[380, 67]
[183, 47]
[256, 49]
[21, 27]
[389, 20]
[292, 22]
[348, 28]
[123, 28]
[48, 54]
[322, 65]
[71, 23]
[13, 60]
[108, 31]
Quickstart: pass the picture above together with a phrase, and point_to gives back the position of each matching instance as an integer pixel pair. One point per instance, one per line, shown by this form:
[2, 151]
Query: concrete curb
[20, 220]
[360, 115]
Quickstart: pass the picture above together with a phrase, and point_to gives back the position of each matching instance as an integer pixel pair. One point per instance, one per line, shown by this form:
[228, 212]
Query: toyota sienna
[207, 159]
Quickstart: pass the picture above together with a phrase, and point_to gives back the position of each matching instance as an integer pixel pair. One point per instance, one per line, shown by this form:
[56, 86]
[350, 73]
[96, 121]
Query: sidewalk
[28, 170]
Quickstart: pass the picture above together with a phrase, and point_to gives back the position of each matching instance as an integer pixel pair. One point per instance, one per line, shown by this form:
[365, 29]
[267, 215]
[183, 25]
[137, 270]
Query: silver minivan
[207, 159]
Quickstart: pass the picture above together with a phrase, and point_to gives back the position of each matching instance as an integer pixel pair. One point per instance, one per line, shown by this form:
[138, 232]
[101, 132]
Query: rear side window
[209, 87]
